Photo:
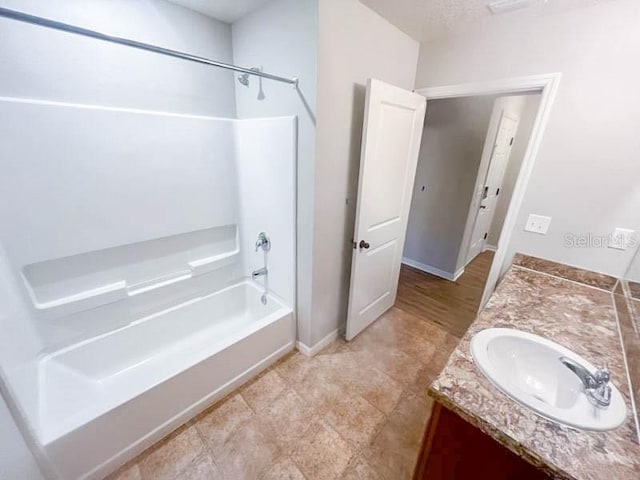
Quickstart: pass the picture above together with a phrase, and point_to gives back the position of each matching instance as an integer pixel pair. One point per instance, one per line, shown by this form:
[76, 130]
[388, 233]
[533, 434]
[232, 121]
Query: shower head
[244, 79]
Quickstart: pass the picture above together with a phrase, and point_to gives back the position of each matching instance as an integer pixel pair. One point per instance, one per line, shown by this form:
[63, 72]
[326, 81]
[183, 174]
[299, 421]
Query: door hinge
[485, 235]
[511, 142]
[497, 192]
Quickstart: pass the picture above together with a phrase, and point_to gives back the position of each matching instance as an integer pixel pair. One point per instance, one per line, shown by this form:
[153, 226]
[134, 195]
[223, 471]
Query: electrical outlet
[620, 238]
[537, 224]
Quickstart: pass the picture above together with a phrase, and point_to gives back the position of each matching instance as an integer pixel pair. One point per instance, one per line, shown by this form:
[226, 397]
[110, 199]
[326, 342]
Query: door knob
[363, 244]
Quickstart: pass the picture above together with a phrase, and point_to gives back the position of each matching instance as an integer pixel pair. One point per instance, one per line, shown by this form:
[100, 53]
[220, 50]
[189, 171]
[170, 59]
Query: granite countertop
[577, 314]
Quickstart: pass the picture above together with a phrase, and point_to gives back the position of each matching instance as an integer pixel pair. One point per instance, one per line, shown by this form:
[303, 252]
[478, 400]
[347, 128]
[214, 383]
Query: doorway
[470, 157]
[542, 86]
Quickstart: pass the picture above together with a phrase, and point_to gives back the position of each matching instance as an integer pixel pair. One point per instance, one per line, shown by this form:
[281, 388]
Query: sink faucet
[596, 385]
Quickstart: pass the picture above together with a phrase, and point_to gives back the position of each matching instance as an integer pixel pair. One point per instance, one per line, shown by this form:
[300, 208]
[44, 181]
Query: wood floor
[452, 305]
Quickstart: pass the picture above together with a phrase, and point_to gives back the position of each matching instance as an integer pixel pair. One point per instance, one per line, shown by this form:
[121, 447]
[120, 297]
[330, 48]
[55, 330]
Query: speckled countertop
[576, 313]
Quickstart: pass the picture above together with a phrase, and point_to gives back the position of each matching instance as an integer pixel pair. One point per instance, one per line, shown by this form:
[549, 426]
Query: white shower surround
[121, 227]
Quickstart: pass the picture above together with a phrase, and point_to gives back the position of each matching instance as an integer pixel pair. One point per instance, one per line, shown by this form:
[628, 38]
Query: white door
[391, 138]
[490, 189]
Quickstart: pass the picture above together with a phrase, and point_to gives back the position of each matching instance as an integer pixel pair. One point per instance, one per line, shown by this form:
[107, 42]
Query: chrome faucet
[259, 272]
[596, 385]
[263, 242]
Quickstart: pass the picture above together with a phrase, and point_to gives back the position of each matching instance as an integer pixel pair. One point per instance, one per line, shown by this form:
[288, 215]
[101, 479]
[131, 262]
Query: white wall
[50, 65]
[450, 154]
[354, 44]
[586, 173]
[90, 212]
[525, 108]
[282, 37]
[54, 66]
[94, 201]
[85, 183]
[266, 161]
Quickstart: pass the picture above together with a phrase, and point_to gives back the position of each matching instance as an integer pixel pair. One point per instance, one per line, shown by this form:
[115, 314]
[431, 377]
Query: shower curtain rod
[64, 27]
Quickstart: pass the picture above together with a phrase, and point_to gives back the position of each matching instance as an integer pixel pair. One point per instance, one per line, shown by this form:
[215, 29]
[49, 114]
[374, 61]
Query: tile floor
[355, 411]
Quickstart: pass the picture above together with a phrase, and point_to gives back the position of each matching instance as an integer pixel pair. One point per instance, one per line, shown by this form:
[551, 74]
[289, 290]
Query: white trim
[547, 84]
[490, 248]
[433, 270]
[312, 351]
[530, 83]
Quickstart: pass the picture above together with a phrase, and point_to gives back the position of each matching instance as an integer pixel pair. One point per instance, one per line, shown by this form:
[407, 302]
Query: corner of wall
[355, 44]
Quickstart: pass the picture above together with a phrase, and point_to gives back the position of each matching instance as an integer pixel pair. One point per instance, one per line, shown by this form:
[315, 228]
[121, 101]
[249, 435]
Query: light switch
[537, 224]
[620, 238]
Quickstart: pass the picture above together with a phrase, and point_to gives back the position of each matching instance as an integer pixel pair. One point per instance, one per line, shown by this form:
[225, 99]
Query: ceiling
[426, 20]
[226, 10]
[423, 20]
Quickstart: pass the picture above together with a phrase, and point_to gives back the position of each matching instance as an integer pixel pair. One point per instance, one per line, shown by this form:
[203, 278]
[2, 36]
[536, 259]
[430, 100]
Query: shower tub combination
[135, 291]
[148, 377]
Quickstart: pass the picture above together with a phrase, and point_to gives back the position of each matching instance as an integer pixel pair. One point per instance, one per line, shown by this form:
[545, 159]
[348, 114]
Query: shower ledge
[120, 290]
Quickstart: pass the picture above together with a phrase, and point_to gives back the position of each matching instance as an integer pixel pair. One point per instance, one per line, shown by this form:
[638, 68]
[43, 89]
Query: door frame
[547, 86]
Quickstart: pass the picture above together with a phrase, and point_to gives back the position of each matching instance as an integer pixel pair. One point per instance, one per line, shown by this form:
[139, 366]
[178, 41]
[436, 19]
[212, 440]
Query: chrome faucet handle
[600, 394]
[263, 242]
[602, 376]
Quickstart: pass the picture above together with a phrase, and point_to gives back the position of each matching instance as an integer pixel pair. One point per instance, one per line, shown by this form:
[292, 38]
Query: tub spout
[259, 272]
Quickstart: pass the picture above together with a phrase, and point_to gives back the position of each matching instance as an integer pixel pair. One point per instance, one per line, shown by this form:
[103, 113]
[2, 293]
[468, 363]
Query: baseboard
[458, 274]
[433, 270]
[489, 248]
[311, 351]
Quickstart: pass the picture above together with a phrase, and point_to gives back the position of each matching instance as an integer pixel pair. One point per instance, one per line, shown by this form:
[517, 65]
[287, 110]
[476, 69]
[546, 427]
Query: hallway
[451, 305]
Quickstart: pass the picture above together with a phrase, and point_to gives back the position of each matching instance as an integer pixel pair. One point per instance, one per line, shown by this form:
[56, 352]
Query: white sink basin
[528, 369]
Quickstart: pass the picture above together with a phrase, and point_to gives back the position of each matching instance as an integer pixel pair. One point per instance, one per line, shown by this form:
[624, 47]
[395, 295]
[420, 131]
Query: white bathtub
[131, 386]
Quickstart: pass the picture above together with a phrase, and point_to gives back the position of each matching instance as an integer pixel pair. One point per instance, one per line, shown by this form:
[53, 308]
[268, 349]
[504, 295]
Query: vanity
[481, 429]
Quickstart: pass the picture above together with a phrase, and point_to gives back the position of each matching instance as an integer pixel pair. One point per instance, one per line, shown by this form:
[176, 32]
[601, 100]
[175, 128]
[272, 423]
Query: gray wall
[450, 155]
[355, 44]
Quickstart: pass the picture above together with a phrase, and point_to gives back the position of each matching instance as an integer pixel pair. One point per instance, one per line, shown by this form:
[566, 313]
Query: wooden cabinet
[453, 449]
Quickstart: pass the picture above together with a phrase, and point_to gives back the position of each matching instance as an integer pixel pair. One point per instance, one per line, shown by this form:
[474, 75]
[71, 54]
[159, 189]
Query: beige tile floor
[355, 411]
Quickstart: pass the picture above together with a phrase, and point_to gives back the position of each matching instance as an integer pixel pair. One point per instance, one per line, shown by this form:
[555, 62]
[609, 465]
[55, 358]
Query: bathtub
[130, 387]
